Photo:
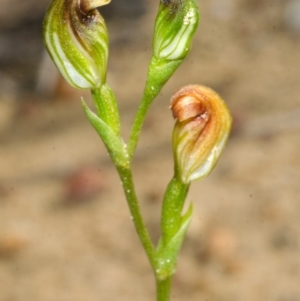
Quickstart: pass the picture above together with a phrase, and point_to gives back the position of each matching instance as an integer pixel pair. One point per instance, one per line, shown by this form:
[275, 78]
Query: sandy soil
[65, 230]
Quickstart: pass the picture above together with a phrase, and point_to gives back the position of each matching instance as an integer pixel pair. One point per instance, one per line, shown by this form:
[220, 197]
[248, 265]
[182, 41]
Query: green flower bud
[200, 133]
[76, 38]
[175, 25]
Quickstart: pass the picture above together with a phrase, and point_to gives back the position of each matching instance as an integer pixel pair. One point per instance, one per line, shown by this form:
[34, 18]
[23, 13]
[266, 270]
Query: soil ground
[65, 230]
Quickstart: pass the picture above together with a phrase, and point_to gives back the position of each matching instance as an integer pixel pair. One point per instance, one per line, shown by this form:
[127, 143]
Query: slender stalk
[149, 94]
[129, 190]
[158, 74]
[163, 289]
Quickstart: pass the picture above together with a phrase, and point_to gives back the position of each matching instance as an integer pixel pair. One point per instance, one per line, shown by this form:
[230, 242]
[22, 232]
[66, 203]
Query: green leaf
[107, 108]
[114, 144]
[167, 254]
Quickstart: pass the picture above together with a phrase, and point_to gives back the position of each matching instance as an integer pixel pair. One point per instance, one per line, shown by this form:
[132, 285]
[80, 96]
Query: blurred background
[65, 230]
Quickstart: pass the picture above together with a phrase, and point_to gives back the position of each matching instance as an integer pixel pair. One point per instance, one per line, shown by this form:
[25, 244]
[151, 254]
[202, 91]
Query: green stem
[129, 190]
[148, 97]
[158, 74]
[99, 103]
[163, 289]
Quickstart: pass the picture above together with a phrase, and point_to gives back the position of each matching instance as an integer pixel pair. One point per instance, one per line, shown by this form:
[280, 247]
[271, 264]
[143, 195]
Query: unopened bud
[76, 38]
[175, 25]
[200, 133]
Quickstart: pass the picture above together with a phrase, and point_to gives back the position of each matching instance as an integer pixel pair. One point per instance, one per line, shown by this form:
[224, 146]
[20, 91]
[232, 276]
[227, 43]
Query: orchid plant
[76, 38]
